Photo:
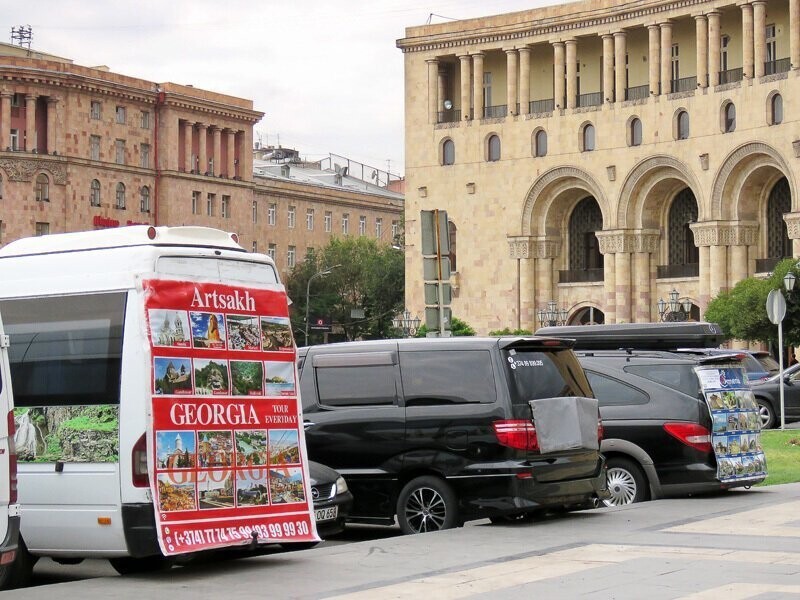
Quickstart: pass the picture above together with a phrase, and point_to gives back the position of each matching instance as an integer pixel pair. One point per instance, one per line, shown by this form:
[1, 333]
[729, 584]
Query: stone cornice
[725, 233]
[628, 241]
[526, 247]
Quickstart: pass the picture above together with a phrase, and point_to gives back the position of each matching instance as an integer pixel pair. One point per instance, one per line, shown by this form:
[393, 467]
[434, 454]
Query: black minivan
[441, 431]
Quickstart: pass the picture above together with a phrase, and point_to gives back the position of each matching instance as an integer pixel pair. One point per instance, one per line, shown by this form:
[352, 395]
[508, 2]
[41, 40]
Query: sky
[327, 74]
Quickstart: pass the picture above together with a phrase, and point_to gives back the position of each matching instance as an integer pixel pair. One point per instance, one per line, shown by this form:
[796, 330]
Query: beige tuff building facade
[600, 154]
[84, 148]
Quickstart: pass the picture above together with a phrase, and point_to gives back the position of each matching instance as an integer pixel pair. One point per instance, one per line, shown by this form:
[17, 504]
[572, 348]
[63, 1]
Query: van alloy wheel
[765, 414]
[426, 504]
[626, 482]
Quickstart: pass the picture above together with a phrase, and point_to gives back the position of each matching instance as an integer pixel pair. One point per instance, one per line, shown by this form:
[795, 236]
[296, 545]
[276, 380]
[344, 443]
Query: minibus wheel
[129, 565]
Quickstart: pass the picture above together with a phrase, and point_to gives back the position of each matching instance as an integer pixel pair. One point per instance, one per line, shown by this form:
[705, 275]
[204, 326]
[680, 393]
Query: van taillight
[12, 460]
[139, 466]
[691, 434]
[516, 433]
[600, 431]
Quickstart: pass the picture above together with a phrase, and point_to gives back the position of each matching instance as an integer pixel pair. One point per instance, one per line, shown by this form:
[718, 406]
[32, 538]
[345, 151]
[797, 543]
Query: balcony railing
[593, 99]
[766, 265]
[684, 84]
[580, 276]
[495, 112]
[449, 116]
[640, 92]
[670, 271]
[542, 106]
[730, 76]
[773, 67]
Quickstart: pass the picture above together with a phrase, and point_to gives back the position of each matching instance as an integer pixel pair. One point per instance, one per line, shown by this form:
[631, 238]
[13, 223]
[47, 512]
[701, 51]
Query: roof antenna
[23, 35]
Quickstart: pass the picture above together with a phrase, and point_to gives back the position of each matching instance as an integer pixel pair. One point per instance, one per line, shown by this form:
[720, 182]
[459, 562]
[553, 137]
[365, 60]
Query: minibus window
[65, 350]
[217, 269]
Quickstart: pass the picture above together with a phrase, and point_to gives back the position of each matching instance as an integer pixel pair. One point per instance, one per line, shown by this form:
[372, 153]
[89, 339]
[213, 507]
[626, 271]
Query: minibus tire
[129, 565]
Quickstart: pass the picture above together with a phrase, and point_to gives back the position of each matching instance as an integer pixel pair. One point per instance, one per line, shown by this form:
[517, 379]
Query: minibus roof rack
[640, 336]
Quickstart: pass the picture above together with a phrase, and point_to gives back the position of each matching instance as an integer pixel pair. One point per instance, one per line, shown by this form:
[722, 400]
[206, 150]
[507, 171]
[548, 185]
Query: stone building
[84, 148]
[601, 154]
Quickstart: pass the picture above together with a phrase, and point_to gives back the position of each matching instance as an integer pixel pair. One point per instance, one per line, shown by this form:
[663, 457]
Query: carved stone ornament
[519, 247]
[545, 248]
[704, 161]
[423, 191]
[613, 242]
[725, 233]
[793, 225]
[24, 169]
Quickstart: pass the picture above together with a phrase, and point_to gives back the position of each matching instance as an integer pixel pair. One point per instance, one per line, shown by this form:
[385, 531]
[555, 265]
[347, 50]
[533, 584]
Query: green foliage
[507, 331]
[782, 449]
[458, 328]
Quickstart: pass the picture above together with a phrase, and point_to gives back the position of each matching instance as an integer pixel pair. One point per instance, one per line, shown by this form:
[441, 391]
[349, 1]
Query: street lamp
[677, 309]
[552, 316]
[308, 291]
[406, 323]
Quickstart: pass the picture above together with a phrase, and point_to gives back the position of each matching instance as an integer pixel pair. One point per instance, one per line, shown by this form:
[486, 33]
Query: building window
[210, 201]
[729, 117]
[487, 92]
[121, 115]
[493, 148]
[290, 217]
[94, 193]
[772, 54]
[776, 110]
[271, 213]
[119, 152]
[195, 203]
[584, 249]
[96, 110]
[226, 207]
[345, 224]
[778, 204]
[635, 132]
[683, 212]
[540, 143]
[94, 147]
[42, 228]
[255, 246]
[362, 225]
[724, 42]
[15, 139]
[395, 230]
[145, 122]
[255, 211]
[676, 66]
[42, 188]
[144, 199]
[121, 196]
[328, 221]
[291, 257]
[144, 150]
[310, 219]
[448, 152]
[587, 138]
[682, 122]
[272, 251]
[378, 227]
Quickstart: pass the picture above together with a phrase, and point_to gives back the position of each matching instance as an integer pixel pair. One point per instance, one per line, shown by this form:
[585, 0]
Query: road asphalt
[733, 545]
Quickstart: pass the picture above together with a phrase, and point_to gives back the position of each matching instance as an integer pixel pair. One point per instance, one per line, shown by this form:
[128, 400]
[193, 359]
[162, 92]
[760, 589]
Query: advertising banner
[736, 436]
[227, 462]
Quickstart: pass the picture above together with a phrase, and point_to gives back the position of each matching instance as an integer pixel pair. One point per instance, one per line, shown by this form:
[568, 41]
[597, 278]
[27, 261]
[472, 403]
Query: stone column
[520, 249]
[433, 90]
[52, 128]
[245, 144]
[654, 58]
[512, 84]
[759, 37]
[666, 58]
[794, 33]
[466, 69]
[572, 72]
[718, 281]
[622, 262]
[544, 281]
[30, 122]
[704, 279]
[477, 85]
[645, 245]
[202, 153]
[739, 268]
[620, 52]
[701, 37]
[5, 120]
[608, 67]
[231, 141]
[610, 287]
[558, 74]
[188, 129]
[217, 133]
[714, 41]
[525, 80]
[441, 80]
[747, 40]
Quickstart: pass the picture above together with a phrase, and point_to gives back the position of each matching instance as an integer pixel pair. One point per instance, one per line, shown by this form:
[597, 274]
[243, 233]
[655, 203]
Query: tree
[458, 328]
[365, 275]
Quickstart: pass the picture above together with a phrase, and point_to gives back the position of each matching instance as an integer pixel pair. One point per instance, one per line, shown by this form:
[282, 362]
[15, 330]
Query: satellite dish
[448, 104]
[374, 175]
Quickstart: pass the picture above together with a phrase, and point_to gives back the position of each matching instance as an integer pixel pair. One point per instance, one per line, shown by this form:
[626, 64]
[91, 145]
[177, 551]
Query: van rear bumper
[139, 524]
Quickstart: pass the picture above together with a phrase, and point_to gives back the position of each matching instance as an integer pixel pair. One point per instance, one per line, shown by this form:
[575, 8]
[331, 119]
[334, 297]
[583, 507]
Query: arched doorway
[585, 260]
[588, 315]
[779, 246]
[683, 256]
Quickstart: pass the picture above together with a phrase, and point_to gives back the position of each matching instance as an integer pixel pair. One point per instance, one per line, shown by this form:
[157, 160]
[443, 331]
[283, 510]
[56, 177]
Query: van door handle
[308, 425]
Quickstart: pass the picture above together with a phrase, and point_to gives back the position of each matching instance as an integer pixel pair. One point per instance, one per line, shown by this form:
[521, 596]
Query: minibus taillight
[139, 459]
[12, 460]
[692, 434]
[516, 433]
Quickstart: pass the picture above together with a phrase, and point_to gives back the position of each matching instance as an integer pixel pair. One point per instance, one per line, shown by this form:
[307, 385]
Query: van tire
[427, 504]
[766, 414]
[19, 573]
[627, 483]
[129, 565]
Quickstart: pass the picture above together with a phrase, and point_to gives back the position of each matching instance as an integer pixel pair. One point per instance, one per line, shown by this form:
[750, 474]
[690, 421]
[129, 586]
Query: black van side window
[677, 377]
[65, 350]
[356, 386]
[610, 392]
[452, 377]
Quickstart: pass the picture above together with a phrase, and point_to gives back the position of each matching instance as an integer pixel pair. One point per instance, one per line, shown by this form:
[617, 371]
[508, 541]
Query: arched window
[776, 110]
[94, 193]
[584, 249]
[144, 199]
[636, 132]
[682, 212]
[540, 143]
[779, 203]
[588, 138]
[729, 117]
[683, 125]
[120, 195]
[494, 148]
[42, 188]
[448, 152]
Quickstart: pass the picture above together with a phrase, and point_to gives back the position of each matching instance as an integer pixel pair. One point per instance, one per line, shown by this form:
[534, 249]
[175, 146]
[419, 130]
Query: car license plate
[326, 514]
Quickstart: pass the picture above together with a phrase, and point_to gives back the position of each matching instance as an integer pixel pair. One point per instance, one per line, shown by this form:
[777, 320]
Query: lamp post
[552, 316]
[788, 283]
[677, 309]
[308, 292]
[406, 323]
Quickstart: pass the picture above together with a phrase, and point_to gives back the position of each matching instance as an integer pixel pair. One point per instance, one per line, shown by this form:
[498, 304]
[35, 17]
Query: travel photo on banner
[225, 441]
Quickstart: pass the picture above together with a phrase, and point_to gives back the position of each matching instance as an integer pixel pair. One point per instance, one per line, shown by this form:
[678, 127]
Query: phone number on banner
[188, 538]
